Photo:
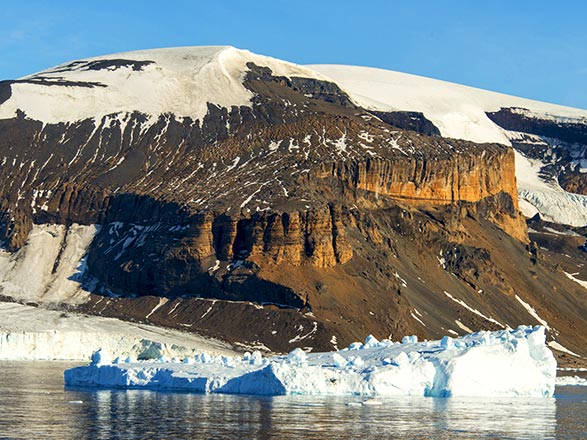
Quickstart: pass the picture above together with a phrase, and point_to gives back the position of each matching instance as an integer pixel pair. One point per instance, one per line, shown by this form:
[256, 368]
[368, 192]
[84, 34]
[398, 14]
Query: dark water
[34, 405]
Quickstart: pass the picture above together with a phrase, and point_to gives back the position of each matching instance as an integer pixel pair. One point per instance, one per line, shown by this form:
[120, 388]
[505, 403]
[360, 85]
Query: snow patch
[558, 347]
[571, 276]
[471, 309]
[532, 312]
[463, 326]
[161, 303]
[571, 381]
[50, 266]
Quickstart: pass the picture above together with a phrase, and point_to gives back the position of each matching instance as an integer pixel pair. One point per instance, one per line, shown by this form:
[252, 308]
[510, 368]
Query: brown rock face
[440, 181]
[203, 256]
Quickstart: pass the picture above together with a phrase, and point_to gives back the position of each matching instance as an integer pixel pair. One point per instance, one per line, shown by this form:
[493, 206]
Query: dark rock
[414, 121]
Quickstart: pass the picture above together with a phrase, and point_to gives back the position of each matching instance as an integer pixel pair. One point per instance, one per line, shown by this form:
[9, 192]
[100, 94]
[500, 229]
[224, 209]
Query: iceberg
[501, 363]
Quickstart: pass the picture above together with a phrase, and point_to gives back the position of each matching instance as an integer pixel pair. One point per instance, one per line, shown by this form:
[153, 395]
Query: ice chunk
[502, 363]
[338, 360]
[401, 358]
[370, 342]
[297, 356]
[409, 339]
[100, 357]
[256, 358]
[447, 342]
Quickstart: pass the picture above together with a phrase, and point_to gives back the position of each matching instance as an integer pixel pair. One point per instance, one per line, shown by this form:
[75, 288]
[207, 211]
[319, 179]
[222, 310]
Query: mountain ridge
[294, 210]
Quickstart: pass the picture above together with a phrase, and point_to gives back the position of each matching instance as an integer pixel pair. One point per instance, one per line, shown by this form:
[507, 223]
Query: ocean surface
[35, 405]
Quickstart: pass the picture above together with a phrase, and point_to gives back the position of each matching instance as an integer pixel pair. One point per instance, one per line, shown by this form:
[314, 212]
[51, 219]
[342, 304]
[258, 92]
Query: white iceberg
[502, 363]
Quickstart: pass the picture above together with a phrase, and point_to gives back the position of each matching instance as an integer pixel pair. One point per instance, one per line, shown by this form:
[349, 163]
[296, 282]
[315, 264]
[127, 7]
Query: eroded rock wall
[439, 181]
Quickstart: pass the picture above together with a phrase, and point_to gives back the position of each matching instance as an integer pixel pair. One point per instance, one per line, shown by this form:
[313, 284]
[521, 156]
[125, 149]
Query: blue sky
[536, 49]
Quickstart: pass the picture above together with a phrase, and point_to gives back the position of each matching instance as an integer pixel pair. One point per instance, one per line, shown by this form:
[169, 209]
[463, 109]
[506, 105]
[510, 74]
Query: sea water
[34, 404]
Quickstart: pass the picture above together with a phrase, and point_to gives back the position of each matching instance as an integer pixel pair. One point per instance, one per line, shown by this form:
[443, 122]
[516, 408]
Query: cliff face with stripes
[279, 190]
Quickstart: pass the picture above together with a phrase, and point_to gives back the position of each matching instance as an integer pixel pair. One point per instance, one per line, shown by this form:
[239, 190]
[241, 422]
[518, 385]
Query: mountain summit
[179, 81]
[222, 192]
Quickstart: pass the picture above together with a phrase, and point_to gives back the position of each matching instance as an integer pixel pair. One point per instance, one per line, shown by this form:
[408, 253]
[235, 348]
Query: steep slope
[251, 199]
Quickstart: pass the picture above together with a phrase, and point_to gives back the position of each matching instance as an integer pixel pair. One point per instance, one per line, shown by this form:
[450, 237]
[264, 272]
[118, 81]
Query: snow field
[49, 267]
[181, 81]
[458, 111]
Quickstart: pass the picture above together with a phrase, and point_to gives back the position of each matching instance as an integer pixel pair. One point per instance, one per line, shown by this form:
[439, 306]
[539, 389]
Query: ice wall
[34, 333]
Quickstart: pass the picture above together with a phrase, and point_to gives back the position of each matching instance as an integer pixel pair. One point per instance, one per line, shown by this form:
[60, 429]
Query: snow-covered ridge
[458, 111]
[503, 363]
[181, 81]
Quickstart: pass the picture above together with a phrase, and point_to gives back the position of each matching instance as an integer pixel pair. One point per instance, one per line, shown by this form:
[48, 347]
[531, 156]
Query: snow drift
[503, 363]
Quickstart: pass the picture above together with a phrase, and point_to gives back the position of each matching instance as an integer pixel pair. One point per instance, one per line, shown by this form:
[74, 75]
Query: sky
[534, 49]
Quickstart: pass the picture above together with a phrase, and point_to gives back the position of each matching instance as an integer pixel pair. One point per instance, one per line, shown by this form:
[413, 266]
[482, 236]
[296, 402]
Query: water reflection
[162, 415]
[571, 412]
[516, 418]
[33, 404]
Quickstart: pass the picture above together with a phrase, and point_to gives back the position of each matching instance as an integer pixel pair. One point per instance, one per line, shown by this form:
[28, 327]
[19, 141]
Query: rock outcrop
[560, 143]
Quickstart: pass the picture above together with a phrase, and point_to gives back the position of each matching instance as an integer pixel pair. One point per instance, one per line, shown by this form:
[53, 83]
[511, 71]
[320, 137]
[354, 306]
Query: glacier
[34, 333]
[502, 363]
[574, 381]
